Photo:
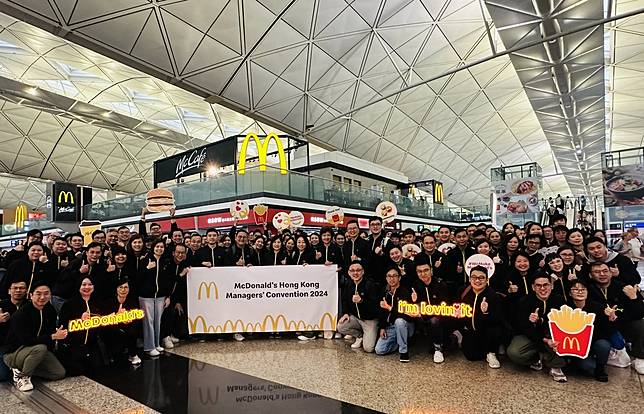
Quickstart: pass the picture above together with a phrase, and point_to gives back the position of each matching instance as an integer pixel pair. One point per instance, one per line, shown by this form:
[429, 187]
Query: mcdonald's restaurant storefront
[236, 153]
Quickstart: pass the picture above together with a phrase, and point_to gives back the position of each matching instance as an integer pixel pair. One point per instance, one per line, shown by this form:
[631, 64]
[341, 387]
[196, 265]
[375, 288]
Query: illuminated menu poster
[516, 196]
[623, 186]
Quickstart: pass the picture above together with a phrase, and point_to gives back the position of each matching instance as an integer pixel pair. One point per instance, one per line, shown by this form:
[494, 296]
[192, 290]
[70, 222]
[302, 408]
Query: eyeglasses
[542, 286]
[480, 278]
[393, 276]
[579, 290]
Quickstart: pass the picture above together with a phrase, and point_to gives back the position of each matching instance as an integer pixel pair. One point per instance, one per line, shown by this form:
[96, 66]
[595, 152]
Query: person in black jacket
[19, 251]
[257, 251]
[622, 268]
[360, 307]
[532, 345]
[122, 337]
[30, 268]
[355, 247]
[79, 351]
[604, 328]
[395, 327]
[239, 253]
[628, 301]
[425, 288]
[17, 295]
[407, 267]
[303, 252]
[482, 331]
[379, 246]
[210, 255]
[153, 287]
[455, 276]
[436, 259]
[174, 322]
[31, 338]
[275, 254]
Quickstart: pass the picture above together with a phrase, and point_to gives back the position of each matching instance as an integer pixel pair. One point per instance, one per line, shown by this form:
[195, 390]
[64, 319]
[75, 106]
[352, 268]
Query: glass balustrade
[231, 186]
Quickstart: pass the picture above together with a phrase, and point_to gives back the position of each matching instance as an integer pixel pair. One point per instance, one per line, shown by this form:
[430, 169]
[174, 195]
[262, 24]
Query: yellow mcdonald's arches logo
[208, 287]
[21, 216]
[205, 396]
[67, 196]
[270, 323]
[438, 192]
[572, 342]
[262, 150]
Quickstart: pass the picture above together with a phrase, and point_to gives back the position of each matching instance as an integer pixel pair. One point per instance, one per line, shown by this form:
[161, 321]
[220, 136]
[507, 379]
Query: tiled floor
[332, 369]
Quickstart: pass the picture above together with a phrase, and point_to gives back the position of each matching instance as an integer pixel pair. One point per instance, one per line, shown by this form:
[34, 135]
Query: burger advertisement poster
[517, 196]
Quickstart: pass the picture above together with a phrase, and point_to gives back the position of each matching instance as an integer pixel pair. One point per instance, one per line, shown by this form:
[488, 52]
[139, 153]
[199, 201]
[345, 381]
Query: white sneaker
[348, 337]
[618, 358]
[167, 343]
[135, 360]
[174, 339]
[536, 366]
[558, 375]
[638, 364]
[338, 335]
[438, 357]
[328, 334]
[238, 337]
[154, 353]
[160, 349]
[24, 383]
[17, 374]
[357, 344]
[492, 361]
[305, 338]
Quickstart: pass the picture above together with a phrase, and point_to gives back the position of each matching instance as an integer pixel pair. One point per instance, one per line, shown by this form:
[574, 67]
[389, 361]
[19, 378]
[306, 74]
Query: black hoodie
[30, 326]
[528, 304]
[368, 308]
[392, 298]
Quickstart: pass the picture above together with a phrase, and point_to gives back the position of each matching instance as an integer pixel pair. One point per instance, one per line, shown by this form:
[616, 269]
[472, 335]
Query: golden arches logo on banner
[438, 192]
[67, 196]
[262, 151]
[209, 288]
[21, 216]
[269, 324]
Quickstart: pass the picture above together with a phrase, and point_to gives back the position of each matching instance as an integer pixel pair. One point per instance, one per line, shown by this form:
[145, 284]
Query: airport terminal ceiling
[424, 87]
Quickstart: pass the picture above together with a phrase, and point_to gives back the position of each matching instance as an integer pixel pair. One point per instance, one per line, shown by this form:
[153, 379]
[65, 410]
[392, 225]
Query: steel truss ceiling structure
[303, 64]
[563, 78]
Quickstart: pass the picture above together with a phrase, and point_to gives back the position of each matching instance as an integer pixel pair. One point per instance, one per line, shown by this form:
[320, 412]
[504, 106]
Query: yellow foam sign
[457, 310]
[107, 320]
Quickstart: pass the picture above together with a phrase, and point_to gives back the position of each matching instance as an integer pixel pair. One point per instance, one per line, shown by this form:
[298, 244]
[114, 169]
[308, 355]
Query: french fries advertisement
[572, 330]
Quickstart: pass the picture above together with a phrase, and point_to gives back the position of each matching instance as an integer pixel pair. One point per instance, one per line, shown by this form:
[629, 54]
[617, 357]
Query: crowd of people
[49, 283]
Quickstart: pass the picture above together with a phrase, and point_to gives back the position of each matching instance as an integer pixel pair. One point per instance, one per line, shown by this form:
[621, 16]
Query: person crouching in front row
[532, 345]
[360, 302]
[31, 338]
[395, 328]
[482, 331]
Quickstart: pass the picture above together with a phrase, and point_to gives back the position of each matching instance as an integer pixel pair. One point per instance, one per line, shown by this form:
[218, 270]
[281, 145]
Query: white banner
[262, 299]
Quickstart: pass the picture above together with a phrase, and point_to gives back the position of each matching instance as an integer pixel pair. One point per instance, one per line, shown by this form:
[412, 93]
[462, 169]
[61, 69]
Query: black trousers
[477, 344]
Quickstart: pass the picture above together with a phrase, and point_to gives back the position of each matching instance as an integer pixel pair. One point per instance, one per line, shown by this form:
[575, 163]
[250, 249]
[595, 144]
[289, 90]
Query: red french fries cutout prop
[572, 330]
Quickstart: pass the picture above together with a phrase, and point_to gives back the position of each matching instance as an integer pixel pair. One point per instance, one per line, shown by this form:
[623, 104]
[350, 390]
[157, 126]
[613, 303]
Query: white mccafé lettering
[188, 162]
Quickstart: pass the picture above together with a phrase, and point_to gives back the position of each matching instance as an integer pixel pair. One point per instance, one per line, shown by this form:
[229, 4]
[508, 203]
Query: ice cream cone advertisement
[572, 330]
[260, 213]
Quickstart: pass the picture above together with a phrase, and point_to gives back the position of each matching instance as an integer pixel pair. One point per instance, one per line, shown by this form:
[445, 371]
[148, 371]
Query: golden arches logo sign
[262, 152]
[65, 196]
[21, 216]
[571, 343]
[438, 192]
[208, 289]
[270, 323]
